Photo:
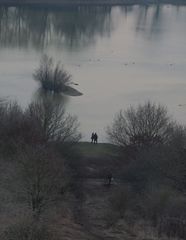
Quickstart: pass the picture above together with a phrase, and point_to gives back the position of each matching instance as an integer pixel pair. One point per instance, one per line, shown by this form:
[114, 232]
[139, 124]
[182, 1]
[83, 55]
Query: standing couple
[94, 138]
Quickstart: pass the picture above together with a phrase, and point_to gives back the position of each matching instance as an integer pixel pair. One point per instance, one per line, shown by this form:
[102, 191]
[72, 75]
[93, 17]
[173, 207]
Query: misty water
[118, 56]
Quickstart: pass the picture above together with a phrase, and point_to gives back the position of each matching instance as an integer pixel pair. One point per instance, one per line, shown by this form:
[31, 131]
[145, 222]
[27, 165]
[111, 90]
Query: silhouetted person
[109, 177]
[92, 138]
[95, 138]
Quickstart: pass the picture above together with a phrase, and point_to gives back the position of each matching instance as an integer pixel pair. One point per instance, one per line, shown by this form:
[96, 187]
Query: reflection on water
[72, 27]
[150, 19]
[39, 28]
[41, 95]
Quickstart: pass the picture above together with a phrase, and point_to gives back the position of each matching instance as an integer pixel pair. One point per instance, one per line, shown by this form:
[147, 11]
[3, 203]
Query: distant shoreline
[63, 3]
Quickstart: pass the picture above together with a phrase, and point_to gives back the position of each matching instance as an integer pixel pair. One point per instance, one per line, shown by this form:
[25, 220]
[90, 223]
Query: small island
[54, 78]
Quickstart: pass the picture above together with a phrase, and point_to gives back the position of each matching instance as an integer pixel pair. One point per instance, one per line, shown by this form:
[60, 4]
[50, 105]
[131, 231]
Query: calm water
[118, 56]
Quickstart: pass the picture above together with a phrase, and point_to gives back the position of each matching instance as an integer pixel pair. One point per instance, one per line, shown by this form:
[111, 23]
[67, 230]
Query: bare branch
[147, 124]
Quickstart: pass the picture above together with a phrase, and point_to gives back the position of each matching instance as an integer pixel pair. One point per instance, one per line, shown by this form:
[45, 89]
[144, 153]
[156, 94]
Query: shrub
[50, 117]
[41, 177]
[146, 125]
[52, 77]
[120, 201]
[155, 204]
[28, 230]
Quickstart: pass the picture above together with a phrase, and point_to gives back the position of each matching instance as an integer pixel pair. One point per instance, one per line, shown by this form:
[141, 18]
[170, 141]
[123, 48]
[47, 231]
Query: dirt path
[96, 209]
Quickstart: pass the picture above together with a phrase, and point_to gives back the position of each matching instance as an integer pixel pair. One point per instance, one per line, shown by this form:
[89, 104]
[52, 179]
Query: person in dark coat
[95, 138]
[92, 138]
[109, 177]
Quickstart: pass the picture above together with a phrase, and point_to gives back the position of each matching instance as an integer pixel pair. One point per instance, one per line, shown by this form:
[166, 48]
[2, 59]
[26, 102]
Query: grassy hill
[96, 150]
[97, 159]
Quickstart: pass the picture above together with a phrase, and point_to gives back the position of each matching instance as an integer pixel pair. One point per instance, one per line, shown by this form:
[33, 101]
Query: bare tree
[41, 174]
[11, 122]
[51, 117]
[52, 77]
[16, 128]
[147, 124]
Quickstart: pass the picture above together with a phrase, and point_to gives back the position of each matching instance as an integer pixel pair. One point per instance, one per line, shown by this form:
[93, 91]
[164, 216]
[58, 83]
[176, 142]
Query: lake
[118, 56]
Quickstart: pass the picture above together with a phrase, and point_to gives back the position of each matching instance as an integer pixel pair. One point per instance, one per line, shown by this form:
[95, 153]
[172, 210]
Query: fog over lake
[119, 56]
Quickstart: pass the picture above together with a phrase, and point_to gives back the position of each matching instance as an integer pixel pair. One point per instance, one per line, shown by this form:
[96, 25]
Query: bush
[11, 123]
[28, 230]
[146, 125]
[177, 207]
[52, 77]
[155, 204]
[50, 117]
[173, 224]
[41, 174]
[120, 202]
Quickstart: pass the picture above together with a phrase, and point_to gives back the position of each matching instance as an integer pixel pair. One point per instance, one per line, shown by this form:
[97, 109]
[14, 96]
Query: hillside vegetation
[55, 187]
